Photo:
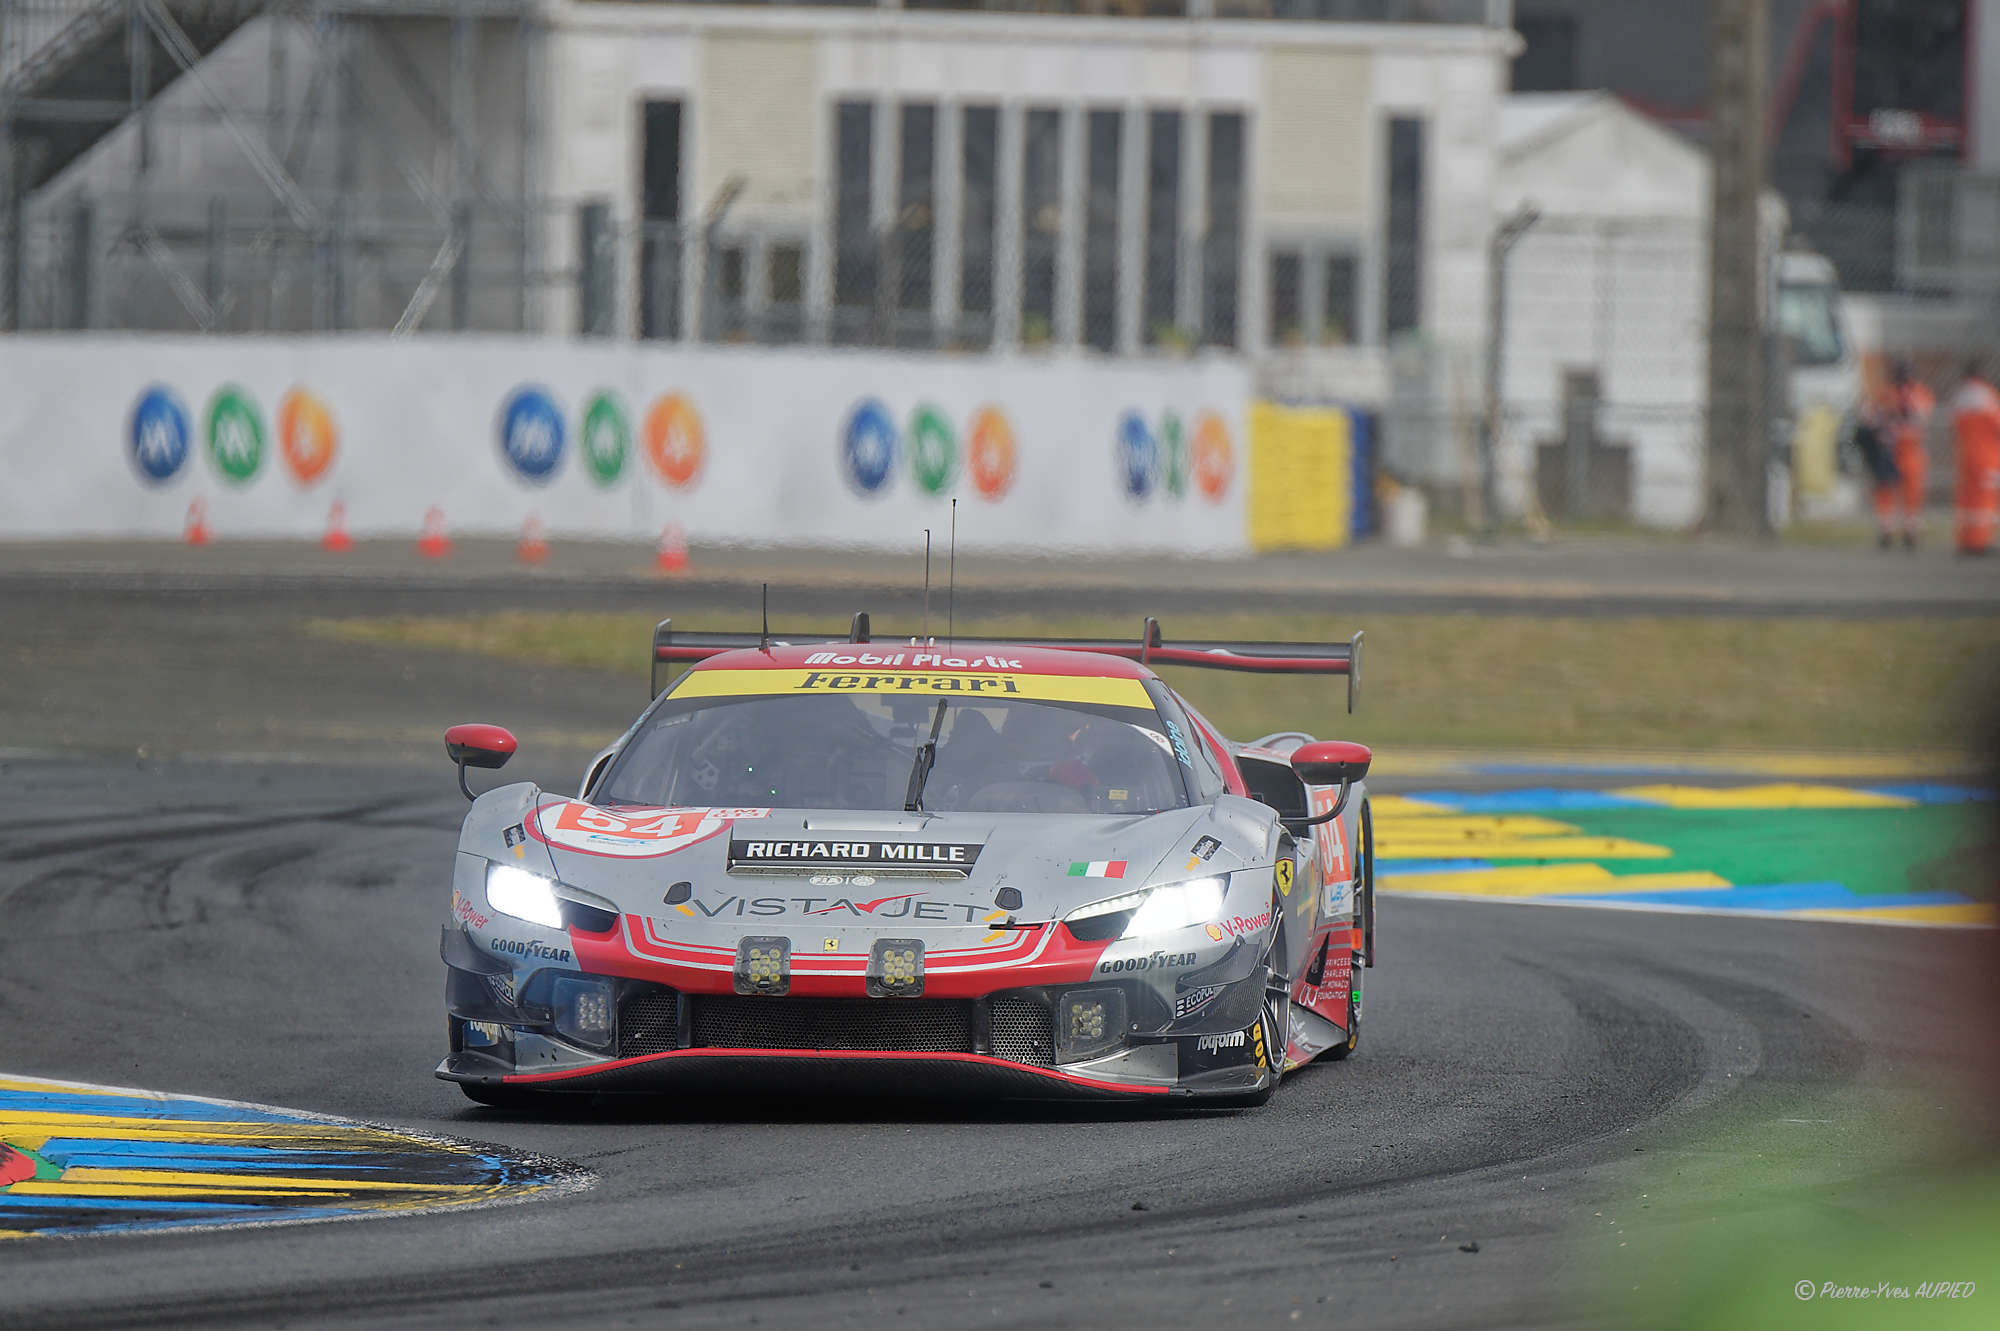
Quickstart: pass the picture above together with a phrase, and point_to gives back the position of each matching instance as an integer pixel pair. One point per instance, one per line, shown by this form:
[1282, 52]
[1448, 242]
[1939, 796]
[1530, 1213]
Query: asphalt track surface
[265, 929]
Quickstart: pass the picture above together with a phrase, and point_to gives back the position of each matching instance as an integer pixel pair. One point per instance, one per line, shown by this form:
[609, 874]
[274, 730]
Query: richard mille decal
[938, 856]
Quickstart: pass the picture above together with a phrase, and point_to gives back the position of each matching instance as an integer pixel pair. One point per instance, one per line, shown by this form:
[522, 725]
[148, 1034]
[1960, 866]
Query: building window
[1103, 149]
[784, 319]
[853, 239]
[1340, 299]
[1314, 293]
[1403, 226]
[1547, 62]
[1163, 227]
[979, 212]
[1041, 223]
[915, 214]
[659, 228]
[1287, 299]
[1222, 249]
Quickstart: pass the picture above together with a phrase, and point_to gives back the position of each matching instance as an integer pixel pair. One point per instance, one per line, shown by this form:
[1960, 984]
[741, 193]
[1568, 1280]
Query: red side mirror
[476, 745]
[1330, 762]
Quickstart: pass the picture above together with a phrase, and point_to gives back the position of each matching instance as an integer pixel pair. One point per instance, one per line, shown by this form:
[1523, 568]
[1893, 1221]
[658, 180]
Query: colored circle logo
[306, 435]
[235, 434]
[531, 434]
[674, 441]
[868, 445]
[989, 452]
[605, 439]
[1213, 460]
[1138, 456]
[933, 449]
[1173, 454]
[158, 436]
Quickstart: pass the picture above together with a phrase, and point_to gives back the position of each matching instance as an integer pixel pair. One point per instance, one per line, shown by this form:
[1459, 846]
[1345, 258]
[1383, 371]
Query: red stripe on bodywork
[842, 1055]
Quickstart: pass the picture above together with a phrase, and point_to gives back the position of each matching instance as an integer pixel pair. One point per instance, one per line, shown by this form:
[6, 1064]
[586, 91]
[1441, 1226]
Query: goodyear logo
[936, 683]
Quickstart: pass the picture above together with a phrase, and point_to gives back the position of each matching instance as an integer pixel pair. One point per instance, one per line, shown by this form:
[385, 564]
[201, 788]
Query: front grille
[923, 1024]
[648, 1022]
[1023, 1031]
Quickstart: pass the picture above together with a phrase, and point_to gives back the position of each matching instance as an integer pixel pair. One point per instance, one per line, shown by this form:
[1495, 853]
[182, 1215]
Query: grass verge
[1465, 680]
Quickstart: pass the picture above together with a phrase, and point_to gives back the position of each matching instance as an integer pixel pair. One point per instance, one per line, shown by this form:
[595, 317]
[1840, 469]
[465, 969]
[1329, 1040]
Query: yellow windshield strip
[967, 684]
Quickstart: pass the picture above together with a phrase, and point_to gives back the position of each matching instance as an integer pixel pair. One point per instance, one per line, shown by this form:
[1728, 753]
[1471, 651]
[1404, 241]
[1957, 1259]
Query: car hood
[892, 869]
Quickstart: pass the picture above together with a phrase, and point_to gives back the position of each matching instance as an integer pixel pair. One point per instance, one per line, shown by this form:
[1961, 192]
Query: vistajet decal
[899, 907]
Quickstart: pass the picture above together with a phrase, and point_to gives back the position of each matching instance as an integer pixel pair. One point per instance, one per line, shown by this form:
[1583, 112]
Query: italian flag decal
[1097, 869]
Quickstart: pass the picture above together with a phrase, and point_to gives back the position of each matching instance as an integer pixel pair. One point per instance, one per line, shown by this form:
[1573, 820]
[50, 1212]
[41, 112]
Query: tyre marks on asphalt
[1909, 853]
[83, 1159]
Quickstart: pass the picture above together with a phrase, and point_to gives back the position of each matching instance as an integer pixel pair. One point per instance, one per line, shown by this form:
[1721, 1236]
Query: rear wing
[1151, 649]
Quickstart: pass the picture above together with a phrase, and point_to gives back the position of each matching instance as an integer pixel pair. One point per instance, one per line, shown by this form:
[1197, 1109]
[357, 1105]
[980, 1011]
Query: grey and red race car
[1023, 869]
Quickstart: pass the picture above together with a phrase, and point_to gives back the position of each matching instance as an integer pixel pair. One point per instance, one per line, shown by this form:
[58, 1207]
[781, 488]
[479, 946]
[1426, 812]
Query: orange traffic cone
[336, 541]
[434, 544]
[673, 554]
[196, 531]
[533, 548]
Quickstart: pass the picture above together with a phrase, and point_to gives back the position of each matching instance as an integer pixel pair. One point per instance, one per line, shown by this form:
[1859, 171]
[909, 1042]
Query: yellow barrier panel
[1814, 444]
[1301, 477]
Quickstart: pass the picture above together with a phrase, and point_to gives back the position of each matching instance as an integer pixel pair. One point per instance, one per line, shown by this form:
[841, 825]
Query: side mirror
[1331, 762]
[475, 745]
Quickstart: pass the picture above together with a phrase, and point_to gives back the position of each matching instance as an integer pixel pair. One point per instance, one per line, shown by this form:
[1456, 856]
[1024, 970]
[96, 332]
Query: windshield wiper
[913, 799]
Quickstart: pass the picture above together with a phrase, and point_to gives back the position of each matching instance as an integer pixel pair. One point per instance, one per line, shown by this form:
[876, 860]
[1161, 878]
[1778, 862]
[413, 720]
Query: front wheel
[1271, 1035]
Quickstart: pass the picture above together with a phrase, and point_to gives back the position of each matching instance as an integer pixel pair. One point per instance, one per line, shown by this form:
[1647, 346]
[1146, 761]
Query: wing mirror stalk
[1328, 763]
[475, 745]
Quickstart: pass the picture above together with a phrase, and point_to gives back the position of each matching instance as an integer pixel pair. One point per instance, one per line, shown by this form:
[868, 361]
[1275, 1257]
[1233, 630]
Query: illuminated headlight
[583, 1009]
[1158, 910]
[523, 895]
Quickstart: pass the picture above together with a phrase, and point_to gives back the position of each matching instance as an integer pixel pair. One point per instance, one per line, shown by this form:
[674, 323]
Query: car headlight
[1155, 910]
[526, 896]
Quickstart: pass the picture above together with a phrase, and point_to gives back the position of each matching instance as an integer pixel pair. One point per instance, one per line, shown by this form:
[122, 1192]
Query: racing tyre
[1272, 1027]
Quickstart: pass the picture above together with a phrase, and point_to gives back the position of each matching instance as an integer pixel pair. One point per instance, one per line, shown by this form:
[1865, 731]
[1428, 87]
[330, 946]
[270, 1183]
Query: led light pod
[896, 968]
[764, 966]
[583, 1009]
[1089, 1022]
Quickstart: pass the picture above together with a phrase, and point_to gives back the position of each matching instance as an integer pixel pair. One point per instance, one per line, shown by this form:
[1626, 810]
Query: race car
[1024, 869]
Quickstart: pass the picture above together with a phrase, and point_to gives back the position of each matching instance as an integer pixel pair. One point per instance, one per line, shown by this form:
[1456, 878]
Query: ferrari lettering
[908, 683]
[1152, 961]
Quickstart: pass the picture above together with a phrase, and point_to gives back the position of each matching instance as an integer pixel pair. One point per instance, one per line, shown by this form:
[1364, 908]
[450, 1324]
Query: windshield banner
[966, 684]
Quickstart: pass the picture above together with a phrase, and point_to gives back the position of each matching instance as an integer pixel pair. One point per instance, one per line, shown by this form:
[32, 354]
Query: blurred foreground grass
[1458, 680]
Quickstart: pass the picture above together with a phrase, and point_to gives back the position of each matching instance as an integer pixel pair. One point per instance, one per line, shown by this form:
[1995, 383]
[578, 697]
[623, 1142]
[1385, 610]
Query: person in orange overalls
[1899, 418]
[1975, 422]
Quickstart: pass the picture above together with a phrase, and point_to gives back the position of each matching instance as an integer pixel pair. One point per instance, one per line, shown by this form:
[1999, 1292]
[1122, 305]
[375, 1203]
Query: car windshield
[859, 750]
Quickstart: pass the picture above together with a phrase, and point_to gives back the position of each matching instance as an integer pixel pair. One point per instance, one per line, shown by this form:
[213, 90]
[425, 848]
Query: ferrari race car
[1020, 869]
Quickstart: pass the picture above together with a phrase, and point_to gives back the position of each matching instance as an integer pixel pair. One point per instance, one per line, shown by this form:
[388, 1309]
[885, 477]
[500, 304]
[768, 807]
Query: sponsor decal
[901, 906]
[605, 437]
[1188, 1003]
[530, 948]
[1213, 459]
[1257, 1044]
[918, 660]
[989, 452]
[676, 444]
[235, 435]
[633, 833]
[1209, 1044]
[949, 856]
[1179, 744]
[1137, 455]
[466, 913]
[307, 438]
[1173, 454]
[516, 838]
[727, 683]
[531, 433]
[1284, 872]
[829, 945]
[1238, 925]
[1202, 851]
[842, 880]
[1151, 961]
[1097, 869]
[933, 449]
[158, 436]
[868, 446]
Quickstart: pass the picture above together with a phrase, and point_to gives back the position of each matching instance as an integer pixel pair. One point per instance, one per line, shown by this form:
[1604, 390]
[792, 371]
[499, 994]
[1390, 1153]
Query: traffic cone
[673, 554]
[434, 544]
[533, 548]
[196, 531]
[336, 541]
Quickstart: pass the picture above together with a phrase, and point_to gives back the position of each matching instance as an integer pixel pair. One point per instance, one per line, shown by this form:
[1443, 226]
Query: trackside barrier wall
[106, 436]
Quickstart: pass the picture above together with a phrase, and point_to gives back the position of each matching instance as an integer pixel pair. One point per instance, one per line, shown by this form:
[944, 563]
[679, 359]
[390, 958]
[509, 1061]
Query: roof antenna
[951, 578]
[927, 586]
[765, 645]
